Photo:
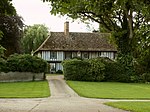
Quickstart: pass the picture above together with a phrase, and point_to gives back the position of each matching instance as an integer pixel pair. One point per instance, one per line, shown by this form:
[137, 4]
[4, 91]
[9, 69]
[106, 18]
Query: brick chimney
[66, 29]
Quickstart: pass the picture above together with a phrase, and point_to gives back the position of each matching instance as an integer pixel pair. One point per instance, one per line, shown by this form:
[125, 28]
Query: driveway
[63, 99]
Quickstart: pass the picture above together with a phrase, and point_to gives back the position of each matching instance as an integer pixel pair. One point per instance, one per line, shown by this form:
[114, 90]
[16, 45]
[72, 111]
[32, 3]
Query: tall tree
[7, 8]
[120, 17]
[33, 37]
[11, 26]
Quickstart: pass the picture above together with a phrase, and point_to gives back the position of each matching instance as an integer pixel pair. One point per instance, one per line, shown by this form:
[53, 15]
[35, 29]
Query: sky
[37, 12]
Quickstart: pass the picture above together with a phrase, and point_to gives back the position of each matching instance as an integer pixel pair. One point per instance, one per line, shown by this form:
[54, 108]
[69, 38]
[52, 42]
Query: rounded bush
[75, 69]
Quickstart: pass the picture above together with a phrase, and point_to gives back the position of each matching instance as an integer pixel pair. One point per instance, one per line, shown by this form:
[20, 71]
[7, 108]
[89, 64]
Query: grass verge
[112, 90]
[131, 106]
[37, 89]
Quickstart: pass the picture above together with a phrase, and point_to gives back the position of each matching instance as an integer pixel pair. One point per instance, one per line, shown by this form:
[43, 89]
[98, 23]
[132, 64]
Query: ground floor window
[54, 67]
[107, 54]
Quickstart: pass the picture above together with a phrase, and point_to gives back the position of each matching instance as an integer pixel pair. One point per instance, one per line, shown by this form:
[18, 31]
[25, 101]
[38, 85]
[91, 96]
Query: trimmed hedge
[102, 69]
[98, 69]
[75, 69]
[83, 70]
[25, 63]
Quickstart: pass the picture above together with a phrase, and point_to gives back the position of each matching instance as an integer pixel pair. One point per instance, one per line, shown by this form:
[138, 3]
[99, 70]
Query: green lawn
[35, 89]
[111, 90]
[131, 106]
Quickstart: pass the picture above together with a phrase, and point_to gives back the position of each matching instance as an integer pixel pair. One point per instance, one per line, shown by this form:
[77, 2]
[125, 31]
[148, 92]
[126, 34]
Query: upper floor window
[53, 55]
[68, 55]
[85, 55]
[74, 54]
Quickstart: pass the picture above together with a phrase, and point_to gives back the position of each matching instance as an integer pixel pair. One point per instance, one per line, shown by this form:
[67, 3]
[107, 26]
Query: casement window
[107, 54]
[85, 55]
[68, 55]
[74, 54]
[53, 55]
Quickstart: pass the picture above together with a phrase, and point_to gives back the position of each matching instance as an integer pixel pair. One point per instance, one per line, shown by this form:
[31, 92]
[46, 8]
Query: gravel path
[63, 99]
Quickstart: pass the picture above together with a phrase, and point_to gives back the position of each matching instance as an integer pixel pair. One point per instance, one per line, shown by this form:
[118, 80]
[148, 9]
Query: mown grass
[131, 106]
[111, 90]
[37, 89]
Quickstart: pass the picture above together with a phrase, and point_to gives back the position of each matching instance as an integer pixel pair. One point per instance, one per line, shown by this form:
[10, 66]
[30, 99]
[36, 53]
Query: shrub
[127, 62]
[59, 72]
[75, 69]
[83, 70]
[146, 77]
[96, 70]
[144, 61]
[101, 69]
[2, 65]
[115, 72]
[26, 63]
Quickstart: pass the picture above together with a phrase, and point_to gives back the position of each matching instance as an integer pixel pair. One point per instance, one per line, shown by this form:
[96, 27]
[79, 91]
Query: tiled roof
[77, 42]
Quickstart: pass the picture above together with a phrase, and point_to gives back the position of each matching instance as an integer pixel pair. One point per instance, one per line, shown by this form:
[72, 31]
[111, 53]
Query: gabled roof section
[77, 42]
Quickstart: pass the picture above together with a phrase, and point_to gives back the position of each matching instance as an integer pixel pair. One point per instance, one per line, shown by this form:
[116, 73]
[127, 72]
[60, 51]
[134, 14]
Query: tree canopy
[119, 17]
[33, 37]
[7, 8]
[10, 28]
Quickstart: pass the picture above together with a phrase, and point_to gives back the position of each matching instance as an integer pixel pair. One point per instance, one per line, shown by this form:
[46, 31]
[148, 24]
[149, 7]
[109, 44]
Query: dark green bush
[102, 69]
[2, 65]
[26, 63]
[83, 70]
[146, 77]
[75, 69]
[59, 72]
[115, 72]
[128, 62]
[96, 70]
[144, 61]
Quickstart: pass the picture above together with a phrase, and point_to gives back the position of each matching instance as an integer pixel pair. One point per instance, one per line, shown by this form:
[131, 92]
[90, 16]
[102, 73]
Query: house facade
[60, 46]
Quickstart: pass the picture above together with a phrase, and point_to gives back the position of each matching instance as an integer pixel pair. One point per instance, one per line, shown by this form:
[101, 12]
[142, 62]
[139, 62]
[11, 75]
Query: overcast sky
[37, 12]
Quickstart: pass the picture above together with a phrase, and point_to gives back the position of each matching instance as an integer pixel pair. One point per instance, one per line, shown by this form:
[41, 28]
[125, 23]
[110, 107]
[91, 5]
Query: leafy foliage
[2, 64]
[84, 70]
[26, 63]
[2, 49]
[143, 49]
[34, 37]
[10, 28]
[101, 69]
[96, 69]
[75, 69]
[7, 8]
